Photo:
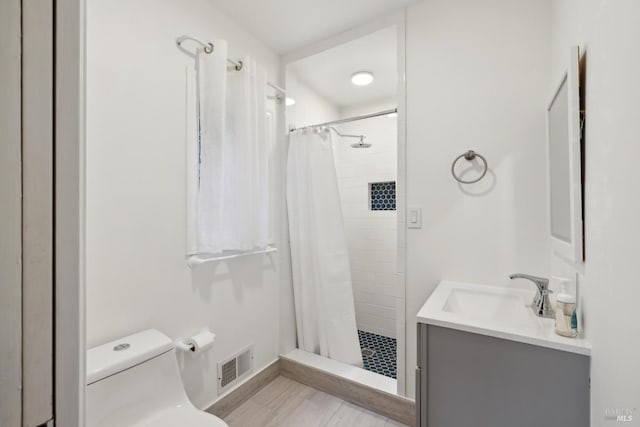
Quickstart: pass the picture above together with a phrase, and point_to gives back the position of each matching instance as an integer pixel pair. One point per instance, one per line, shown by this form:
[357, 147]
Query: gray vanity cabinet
[472, 380]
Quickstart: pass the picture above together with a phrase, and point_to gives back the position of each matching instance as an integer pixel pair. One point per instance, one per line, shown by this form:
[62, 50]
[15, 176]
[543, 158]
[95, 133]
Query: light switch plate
[414, 217]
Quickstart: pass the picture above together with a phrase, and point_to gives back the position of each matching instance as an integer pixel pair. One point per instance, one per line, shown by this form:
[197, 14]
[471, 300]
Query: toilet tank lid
[116, 356]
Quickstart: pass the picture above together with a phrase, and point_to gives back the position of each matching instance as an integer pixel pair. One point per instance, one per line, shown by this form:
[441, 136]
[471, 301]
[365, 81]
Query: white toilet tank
[135, 381]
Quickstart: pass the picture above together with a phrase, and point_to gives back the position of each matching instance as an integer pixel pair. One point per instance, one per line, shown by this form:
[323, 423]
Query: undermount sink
[495, 311]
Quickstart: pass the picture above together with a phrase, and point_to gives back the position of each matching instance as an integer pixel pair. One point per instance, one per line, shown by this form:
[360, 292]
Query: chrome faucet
[541, 304]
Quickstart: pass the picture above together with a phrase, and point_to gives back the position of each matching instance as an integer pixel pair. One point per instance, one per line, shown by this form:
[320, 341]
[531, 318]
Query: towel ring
[469, 155]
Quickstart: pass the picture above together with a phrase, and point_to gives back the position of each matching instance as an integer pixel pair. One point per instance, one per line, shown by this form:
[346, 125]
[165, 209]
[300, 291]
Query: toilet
[135, 382]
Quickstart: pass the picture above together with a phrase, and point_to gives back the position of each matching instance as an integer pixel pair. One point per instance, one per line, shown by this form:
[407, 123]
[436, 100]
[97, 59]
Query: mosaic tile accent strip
[382, 196]
[383, 360]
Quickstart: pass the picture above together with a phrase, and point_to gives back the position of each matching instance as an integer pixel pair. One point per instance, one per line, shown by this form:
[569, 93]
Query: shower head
[361, 143]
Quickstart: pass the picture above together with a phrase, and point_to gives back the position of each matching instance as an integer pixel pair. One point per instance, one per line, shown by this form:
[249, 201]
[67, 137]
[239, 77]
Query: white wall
[310, 107]
[608, 30]
[572, 23]
[137, 276]
[371, 235]
[477, 78]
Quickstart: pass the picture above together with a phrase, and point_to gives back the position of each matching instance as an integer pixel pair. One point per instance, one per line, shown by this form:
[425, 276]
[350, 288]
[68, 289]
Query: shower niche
[382, 196]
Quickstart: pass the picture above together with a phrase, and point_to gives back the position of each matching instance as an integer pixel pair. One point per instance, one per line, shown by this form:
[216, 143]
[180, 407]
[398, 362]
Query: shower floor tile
[378, 353]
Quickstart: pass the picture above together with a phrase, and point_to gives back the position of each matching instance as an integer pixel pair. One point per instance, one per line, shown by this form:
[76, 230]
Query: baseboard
[390, 405]
[230, 401]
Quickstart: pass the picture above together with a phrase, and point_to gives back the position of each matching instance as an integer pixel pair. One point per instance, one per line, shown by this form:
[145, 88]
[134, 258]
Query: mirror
[559, 191]
[564, 165]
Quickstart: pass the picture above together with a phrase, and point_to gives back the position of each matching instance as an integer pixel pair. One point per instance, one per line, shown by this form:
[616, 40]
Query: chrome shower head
[361, 143]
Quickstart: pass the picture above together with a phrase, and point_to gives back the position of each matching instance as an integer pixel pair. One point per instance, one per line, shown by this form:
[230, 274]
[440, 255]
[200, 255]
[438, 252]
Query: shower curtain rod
[350, 119]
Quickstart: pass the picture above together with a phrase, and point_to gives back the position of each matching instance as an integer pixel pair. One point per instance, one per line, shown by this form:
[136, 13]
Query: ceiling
[287, 25]
[329, 73]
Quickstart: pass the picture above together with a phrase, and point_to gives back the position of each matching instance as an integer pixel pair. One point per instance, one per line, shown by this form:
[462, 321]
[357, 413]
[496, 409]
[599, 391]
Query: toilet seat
[182, 416]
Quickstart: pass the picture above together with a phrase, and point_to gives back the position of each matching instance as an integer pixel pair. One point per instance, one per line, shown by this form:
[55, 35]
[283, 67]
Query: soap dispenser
[566, 320]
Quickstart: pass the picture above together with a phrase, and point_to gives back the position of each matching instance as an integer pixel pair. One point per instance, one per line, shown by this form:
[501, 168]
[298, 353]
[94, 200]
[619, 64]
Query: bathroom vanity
[486, 360]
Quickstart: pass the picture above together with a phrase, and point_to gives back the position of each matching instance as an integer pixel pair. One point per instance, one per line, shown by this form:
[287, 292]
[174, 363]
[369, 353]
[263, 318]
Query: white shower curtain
[232, 201]
[323, 294]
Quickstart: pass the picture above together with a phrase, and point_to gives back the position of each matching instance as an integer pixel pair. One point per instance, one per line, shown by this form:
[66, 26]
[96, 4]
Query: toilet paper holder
[197, 343]
[185, 347]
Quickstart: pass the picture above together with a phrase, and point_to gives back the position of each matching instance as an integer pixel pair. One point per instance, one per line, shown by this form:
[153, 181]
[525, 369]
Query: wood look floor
[286, 403]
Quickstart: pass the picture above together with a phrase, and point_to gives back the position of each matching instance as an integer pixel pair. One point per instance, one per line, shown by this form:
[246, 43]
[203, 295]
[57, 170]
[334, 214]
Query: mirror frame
[571, 252]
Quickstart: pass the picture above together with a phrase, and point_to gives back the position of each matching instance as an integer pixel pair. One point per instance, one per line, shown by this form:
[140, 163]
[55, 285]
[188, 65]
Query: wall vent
[233, 369]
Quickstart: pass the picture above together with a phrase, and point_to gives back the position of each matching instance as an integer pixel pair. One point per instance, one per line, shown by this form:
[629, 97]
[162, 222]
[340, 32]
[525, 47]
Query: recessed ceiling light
[392, 115]
[289, 102]
[362, 78]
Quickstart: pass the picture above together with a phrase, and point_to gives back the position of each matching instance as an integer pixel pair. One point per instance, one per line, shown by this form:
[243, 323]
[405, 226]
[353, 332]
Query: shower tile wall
[371, 234]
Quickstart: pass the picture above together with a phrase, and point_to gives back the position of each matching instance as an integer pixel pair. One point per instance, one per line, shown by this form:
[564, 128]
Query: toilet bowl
[135, 382]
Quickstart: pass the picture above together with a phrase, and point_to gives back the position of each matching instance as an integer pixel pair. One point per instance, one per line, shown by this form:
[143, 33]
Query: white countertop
[497, 312]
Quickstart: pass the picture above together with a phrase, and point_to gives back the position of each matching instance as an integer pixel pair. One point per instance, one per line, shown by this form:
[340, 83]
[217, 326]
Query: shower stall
[367, 184]
[343, 224]
[342, 220]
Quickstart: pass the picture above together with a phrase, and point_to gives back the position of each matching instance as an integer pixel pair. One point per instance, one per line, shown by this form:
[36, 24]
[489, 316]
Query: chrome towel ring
[469, 155]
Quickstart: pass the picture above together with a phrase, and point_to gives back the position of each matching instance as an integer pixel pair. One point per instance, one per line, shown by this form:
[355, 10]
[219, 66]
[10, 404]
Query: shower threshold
[344, 370]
